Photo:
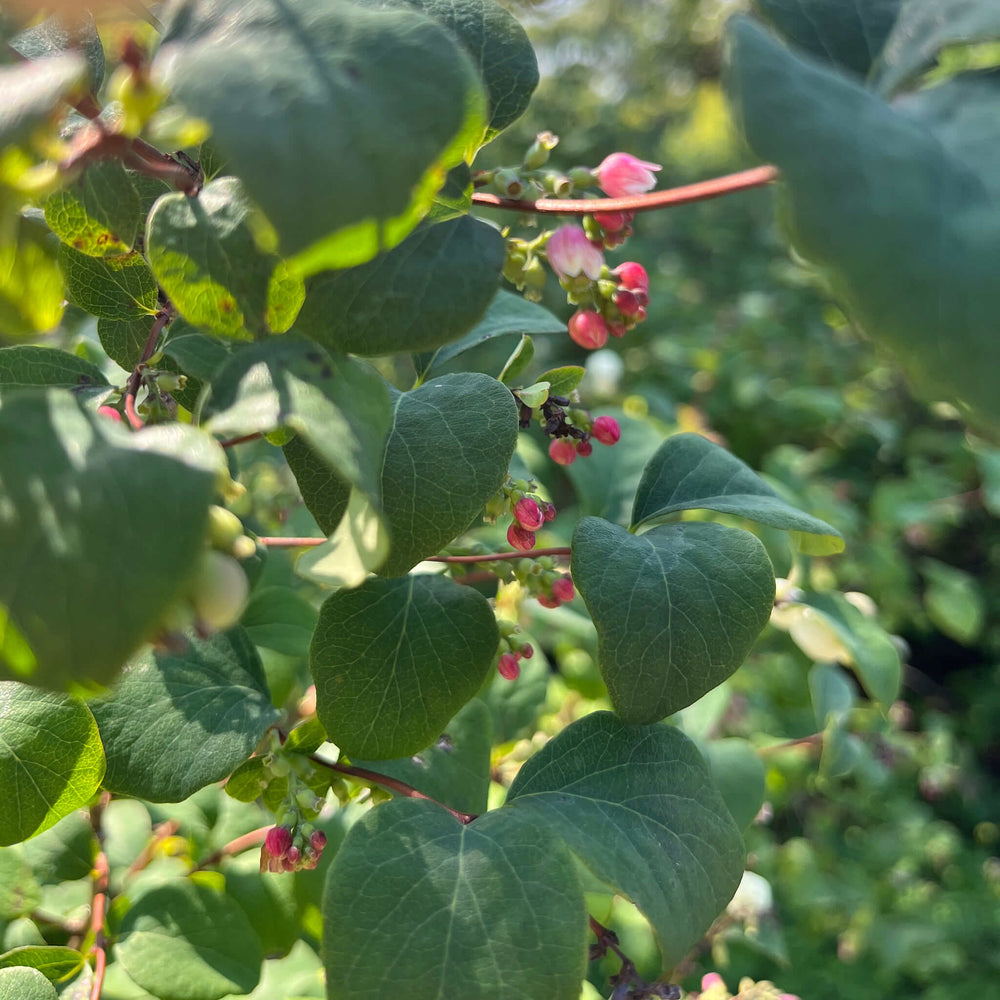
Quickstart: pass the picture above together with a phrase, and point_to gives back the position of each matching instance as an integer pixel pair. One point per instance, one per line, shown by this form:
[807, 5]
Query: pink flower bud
[110, 412]
[612, 222]
[520, 538]
[570, 253]
[621, 175]
[563, 590]
[617, 329]
[584, 449]
[549, 511]
[562, 451]
[528, 514]
[632, 275]
[588, 329]
[527, 651]
[606, 430]
[547, 602]
[293, 857]
[627, 302]
[711, 979]
[317, 841]
[508, 667]
[278, 841]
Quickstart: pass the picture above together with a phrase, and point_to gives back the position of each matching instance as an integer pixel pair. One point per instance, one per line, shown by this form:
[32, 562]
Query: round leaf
[21, 983]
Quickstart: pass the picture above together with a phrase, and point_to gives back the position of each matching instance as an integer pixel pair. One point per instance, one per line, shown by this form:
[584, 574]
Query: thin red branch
[164, 830]
[815, 741]
[241, 440]
[700, 191]
[272, 542]
[503, 556]
[163, 317]
[252, 839]
[391, 784]
[99, 898]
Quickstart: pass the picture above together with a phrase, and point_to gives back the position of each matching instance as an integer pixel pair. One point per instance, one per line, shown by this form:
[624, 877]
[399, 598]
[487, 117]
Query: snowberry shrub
[320, 212]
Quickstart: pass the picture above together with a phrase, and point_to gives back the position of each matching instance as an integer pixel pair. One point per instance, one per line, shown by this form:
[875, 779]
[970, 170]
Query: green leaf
[269, 903]
[454, 770]
[451, 443]
[99, 529]
[497, 45]
[51, 760]
[488, 911]
[324, 493]
[399, 100]
[638, 806]
[876, 659]
[507, 314]
[124, 340]
[59, 33]
[903, 226]
[847, 35]
[425, 292]
[99, 214]
[677, 609]
[203, 252]
[455, 197]
[394, 660]
[186, 941]
[518, 361]
[28, 365]
[738, 773]
[831, 693]
[175, 722]
[198, 355]
[923, 29]
[340, 406]
[31, 91]
[20, 894]
[689, 472]
[31, 285]
[954, 601]
[534, 395]
[121, 288]
[562, 381]
[280, 619]
[54, 962]
[25, 984]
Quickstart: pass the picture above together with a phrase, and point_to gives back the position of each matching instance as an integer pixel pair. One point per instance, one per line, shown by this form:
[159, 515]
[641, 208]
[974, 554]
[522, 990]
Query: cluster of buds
[291, 849]
[571, 429]
[713, 987]
[529, 511]
[511, 651]
[541, 579]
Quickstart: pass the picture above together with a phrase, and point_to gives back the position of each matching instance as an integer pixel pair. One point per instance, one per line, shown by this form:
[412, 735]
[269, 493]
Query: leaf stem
[166, 829]
[99, 899]
[504, 556]
[237, 846]
[806, 742]
[163, 317]
[391, 784]
[716, 187]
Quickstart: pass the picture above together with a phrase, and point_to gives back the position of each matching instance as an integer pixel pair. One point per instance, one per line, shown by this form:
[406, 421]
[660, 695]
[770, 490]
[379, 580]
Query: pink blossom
[711, 979]
[508, 667]
[528, 514]
[584, 449]
[520, 538]
[110, 412]
[627, 302]
[570, 253]
[317, 841]
[612, 222]
[607, 430]
[621, 175]
[632, 275]
[527, 651]
[588, 329]
[275, 849]
[548, 511]
[547, 602]
[562, 451]
[562, 590]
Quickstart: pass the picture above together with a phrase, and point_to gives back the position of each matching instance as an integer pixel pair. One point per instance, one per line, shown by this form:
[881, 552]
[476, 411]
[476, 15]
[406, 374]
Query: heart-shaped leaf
[451, 269]
[677, 609]
[187, 941]
[84, 503]
[399, 99]
[689, 472]
[394, 660]
[203, 253]
[488, 911]
[175, 722]
[449, 450]
[637, 804]
[51, 759]
[120, 288]
[21, 983]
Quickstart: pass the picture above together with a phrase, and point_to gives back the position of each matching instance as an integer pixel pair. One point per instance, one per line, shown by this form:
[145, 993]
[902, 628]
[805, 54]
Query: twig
[628, 983]
[815, 740]
[392, 784]
[701, 191]
[164, 830]
[163, 317]
[290, 543]
[503, 556]
[241, 440]
[252, 839]
[99, 899]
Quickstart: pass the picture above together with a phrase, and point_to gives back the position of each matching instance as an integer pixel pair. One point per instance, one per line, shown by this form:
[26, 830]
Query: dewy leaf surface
[638, 806]
[202, 251]
[425, 292]
[398, 100]
[448, 452]
[689, 472]
[82, 503]
[677, 609]
[186, 941]
[175, 722]
[417, 902]
[394, 660]
[51, 759]
[896, 206]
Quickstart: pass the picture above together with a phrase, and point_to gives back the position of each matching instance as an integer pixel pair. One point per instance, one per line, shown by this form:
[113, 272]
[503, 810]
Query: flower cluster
[288, 849]
[511, 651]
[529, 511]
[713, 987]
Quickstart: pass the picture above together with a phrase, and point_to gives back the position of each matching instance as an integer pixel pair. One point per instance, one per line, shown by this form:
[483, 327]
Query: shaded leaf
[954, 600]
[51, 759]
[677, 609]
[19, 892]
[394, 660]
[119, 288]
[738, 773]
[280, 619]
[175, 722]
[197, 354]
[124, 340]
[27, 365]
[488, 911]
[638, 806]
[324, 493]
[689, 472]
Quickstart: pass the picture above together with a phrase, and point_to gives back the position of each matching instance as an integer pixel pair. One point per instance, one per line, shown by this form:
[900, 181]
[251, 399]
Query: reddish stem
[99, 898]
[815, 741]
[503, 556]
[700, 191]
[163, 317]
[241, 440]
[164, 830]
[252, 839]
[290, 543]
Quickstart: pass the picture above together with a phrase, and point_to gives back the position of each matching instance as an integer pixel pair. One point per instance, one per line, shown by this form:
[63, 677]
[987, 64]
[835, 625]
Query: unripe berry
[528, 514]
[220, 591]
[224, 527]
[508, 667]
[562, 451]
[520, 538]
[606, 430]
[588, 329]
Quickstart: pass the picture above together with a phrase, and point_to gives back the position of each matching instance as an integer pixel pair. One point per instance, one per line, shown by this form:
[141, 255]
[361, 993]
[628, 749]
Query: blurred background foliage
[885, 878]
